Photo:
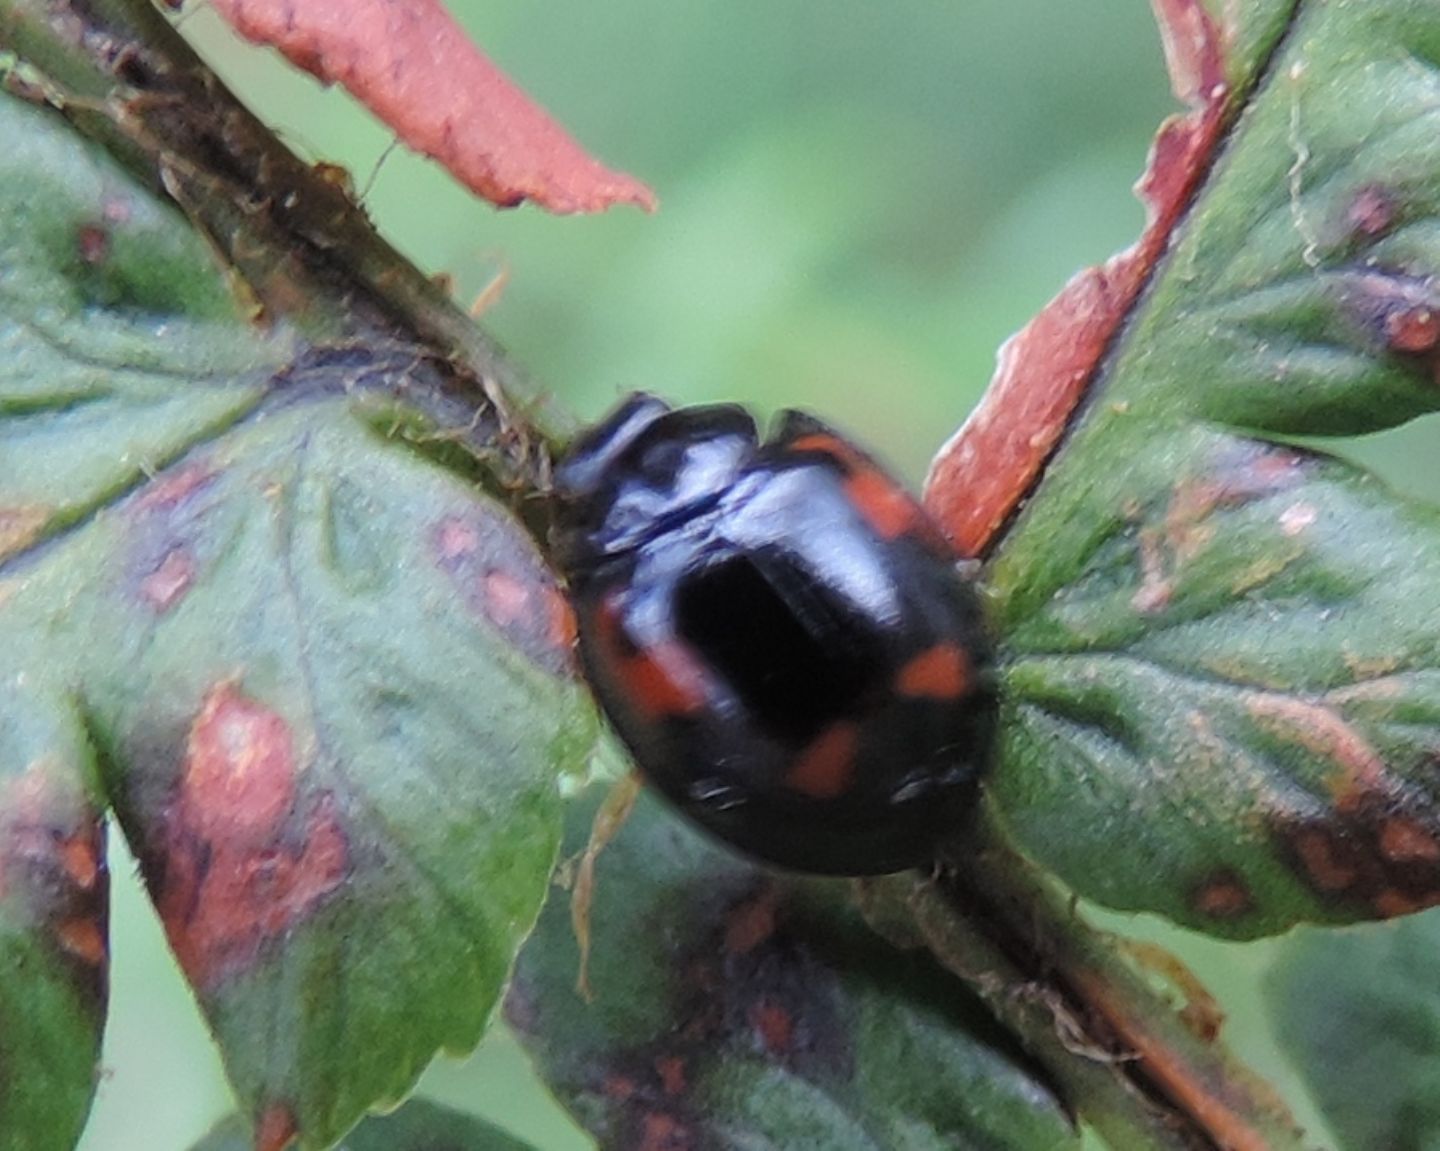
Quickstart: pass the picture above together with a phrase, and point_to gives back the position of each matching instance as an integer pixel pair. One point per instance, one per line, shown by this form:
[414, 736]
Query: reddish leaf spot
[174, 488]
[164, 587]
[84, 939]
[92, 244]
[21, 526]
[979, 477]
[1405, 840]
[1372, 212]
[243, 865]
[1357, 772]
[671, 1070]
[1325, 861]
[751, 922]
[276, 1128]
[1224, 896]
[502, 578]
[620, 1087]
[1414, 329]
[773, 1025]
[662, 1132]
[412, 65]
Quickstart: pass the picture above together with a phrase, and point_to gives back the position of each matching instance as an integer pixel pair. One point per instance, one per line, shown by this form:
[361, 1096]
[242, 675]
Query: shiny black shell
[777, 633]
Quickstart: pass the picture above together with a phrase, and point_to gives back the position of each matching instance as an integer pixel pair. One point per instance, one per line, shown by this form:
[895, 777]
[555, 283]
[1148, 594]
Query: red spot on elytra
[888, 509]
[825, 769]
[163, 587]
[941, 672]
[243, 861]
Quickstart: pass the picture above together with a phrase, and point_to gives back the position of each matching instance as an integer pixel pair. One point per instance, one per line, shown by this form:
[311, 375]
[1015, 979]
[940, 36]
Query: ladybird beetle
[777, 633]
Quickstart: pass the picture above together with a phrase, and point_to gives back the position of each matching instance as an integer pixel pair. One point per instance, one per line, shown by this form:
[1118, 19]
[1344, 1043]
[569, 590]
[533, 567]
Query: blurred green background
[859, 202]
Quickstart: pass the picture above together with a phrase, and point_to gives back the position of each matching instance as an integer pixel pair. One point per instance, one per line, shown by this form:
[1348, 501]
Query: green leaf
[418, 1126]
[1359, 1013]
[54, 961]
[736, 1008]
[328, 680]
[1221, 657]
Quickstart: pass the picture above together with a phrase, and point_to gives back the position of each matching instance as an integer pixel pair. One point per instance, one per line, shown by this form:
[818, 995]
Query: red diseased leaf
[977, 478]
[412, 65]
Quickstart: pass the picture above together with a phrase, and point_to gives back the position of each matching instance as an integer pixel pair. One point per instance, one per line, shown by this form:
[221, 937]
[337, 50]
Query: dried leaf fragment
[412, 65]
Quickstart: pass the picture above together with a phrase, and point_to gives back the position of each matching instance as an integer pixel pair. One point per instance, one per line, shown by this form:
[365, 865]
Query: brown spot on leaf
[1326, 860]
[163, 587]
[497, 570]
[1371, 212]
[84, 938]
[174, 488]
[244, 861]
[773, 1025]
[1297, 517]
[671, 1070]
[20, 526]
[1357, 771]
[752, 922]
[276, 1128]
[1224, 895]
[1412, 329]
[1405, 840]
[1376, 856]
[660, 1131]
[52, 863]
[92, 244]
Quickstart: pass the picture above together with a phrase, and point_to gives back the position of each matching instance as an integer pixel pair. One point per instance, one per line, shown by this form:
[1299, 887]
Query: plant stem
[1136, 1069]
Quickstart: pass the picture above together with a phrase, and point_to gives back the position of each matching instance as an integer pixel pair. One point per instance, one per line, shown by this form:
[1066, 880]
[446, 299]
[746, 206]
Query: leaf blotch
[245, 860]
[503, 579]
[1224, 895]
[167, 584]
[275, 1129]
[52, 864]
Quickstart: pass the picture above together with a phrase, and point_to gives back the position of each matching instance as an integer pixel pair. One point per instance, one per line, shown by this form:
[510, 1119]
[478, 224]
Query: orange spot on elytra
[237, 871]
[886, 507]
[1405, 841]
[826, 768]
[276, 1129]
[774, 1026]
[168, 582]
[942, 672]
[83, 938]
[826, 443]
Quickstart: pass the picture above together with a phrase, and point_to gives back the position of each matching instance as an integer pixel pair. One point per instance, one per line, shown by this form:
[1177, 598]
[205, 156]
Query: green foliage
[1220, 657]
[418, 1126]
[310, 661]
[736, 1008]
[1359, 1012]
